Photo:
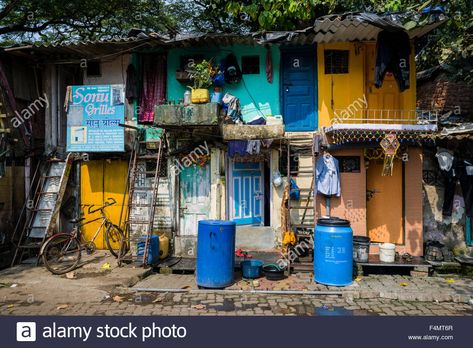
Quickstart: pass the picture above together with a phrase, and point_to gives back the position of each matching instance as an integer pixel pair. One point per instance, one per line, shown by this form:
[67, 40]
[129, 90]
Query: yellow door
[101, 180]
[384, 102]
[384, 203]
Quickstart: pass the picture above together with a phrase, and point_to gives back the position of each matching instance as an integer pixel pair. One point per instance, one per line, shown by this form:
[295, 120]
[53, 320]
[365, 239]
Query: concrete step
[258, 238]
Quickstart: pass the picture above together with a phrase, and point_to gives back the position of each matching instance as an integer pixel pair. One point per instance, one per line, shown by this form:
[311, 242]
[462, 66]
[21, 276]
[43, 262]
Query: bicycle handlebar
[110, 201]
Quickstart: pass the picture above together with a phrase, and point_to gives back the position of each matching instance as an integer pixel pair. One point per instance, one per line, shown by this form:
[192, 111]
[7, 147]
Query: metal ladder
[142, 199]
[40, 214]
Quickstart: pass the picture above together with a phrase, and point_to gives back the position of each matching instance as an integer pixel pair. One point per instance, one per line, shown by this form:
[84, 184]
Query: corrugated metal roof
[353, 27]
[332, 28]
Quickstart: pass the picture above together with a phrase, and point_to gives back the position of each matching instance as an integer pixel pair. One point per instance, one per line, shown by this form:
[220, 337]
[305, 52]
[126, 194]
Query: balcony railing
[384, 116]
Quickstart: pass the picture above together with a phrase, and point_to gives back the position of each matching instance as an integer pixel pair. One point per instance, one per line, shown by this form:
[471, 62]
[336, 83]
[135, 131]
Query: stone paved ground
[214, 303]
[98, 290]
[394, 287]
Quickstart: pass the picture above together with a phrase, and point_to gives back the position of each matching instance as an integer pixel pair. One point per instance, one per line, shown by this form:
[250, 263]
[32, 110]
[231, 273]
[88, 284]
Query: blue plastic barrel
[215, 253]
[153, 249]
[333, 252]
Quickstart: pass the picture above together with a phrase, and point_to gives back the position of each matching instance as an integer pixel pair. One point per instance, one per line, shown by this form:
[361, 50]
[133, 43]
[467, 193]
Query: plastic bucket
[251, 269]
[387, 252]
[361, 248]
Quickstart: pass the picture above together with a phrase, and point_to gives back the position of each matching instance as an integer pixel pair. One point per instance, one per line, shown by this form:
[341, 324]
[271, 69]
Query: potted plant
[201, 75]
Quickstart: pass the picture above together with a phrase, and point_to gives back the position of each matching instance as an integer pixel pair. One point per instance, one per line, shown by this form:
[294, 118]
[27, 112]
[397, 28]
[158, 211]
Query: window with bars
[336, 61]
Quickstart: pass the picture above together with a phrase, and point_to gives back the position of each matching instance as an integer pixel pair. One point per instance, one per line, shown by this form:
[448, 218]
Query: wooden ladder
[142, 199]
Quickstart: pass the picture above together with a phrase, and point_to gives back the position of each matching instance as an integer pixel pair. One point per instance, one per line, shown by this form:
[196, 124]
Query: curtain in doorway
[153, 91]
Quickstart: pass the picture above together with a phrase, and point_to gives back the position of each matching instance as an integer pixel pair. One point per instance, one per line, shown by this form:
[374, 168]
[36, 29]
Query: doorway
[299, 89]
[194, 198]
[247, 192]
[385, 203]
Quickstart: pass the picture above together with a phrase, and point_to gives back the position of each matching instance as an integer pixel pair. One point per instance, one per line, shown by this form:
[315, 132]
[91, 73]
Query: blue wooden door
[299, 89]
[247, 194]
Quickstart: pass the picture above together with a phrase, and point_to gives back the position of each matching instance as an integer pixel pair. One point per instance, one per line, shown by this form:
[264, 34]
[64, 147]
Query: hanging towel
[237, 147]
[253, 147]
[131, 84]
[269, 65]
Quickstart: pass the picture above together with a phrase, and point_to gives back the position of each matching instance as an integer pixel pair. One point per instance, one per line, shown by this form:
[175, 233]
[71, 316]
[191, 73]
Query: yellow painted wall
[338, 91]
[100, 180]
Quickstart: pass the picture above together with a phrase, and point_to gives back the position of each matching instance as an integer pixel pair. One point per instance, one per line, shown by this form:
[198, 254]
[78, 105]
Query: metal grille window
[336, 61]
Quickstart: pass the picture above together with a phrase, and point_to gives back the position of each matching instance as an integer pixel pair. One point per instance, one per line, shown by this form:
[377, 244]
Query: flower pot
[200, 96]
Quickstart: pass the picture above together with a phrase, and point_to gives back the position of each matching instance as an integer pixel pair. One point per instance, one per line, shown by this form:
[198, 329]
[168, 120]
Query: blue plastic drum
[215, 253]
[333, 252]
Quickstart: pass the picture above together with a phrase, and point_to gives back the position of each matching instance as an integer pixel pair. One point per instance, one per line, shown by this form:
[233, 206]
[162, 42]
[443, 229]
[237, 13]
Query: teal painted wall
[265, 94]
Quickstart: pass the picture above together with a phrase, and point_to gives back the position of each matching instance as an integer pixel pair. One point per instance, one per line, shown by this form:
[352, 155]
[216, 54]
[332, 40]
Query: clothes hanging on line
[459, 171]
[269, 65]
[131, 92]
[233, 107]
[253, 147]
[327, 173]
[237, 147]
[392, 54]
[445, 159]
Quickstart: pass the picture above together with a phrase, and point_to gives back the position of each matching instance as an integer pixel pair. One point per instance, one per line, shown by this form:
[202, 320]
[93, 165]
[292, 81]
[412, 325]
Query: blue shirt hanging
[328, 175]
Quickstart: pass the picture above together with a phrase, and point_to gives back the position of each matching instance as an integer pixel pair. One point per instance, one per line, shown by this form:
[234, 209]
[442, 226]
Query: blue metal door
[247, 194]
[299, 89]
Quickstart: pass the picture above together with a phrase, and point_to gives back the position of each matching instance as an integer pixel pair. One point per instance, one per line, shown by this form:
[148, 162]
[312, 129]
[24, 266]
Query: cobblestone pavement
[393, 287]
[213, 303]
[100, 288]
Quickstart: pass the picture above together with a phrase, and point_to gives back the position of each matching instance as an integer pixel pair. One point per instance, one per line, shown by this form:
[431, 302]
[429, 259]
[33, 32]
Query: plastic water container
[387, 252]
[153, 249]
[251, 269]
[333, 252]
[215, 253]
[361, 248]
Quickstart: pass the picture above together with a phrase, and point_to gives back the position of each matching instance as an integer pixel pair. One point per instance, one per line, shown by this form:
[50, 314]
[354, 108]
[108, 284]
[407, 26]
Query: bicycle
[61, 253]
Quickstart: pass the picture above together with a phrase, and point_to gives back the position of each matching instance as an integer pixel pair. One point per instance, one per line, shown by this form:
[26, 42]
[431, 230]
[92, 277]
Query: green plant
[201, 74]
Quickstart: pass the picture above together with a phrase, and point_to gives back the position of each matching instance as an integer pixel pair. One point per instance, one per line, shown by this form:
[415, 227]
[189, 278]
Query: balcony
[376, 119]
[194, 115]
[368, 125]
[252, 132]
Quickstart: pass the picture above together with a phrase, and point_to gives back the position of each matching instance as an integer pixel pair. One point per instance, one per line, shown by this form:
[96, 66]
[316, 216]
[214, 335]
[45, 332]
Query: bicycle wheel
[61, 253]
[113, 237]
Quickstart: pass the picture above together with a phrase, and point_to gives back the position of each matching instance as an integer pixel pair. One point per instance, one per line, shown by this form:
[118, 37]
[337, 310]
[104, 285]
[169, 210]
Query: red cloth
[269, 65]
[153, 90]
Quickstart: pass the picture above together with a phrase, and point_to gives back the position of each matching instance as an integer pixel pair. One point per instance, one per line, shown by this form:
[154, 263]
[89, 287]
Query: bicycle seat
[77, 220]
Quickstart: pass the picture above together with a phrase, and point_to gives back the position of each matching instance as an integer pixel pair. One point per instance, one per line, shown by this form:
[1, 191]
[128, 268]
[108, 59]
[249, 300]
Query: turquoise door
[247, 193]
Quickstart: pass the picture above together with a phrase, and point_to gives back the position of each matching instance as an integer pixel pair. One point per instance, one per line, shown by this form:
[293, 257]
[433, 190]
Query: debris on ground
[450, 280]
[13, 285]
[106, 265]
[403, 284]
[199, 306]
[63, 306]
[71, 275]
[118, 298]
